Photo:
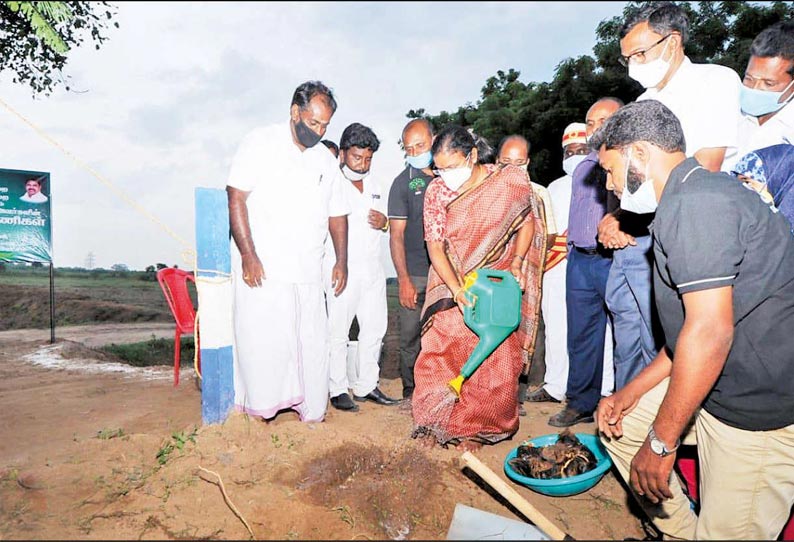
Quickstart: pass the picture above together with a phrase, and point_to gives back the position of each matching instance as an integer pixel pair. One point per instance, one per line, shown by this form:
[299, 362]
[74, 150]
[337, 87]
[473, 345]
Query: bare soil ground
[86, 453]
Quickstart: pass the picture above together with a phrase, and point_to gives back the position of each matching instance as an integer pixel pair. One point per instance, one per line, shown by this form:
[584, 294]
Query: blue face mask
[420, 161]
[761, 102]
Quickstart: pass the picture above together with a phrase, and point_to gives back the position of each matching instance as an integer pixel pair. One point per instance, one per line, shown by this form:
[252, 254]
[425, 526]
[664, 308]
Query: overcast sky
[160, 108]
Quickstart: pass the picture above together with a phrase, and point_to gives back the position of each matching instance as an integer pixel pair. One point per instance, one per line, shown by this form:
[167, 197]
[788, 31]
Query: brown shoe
[540, 395]
[570, 416]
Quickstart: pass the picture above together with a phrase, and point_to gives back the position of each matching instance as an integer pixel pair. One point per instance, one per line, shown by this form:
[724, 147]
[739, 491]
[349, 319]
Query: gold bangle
[385, 226]
[457, 292]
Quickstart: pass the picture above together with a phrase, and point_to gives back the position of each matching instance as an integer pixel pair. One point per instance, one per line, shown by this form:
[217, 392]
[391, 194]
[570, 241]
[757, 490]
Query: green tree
[721, 32]
[36, 37]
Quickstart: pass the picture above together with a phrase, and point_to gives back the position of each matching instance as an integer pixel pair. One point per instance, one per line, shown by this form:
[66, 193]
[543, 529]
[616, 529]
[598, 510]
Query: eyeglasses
[640, 55]
[438, 171]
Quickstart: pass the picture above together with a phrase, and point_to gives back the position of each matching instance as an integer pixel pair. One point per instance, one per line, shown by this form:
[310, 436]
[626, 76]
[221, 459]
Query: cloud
[167, 99]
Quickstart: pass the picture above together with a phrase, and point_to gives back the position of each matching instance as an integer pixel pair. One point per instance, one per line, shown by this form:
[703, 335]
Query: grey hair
[648, 120]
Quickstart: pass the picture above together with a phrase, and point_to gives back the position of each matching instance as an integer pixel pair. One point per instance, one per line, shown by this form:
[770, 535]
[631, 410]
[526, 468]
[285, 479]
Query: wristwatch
[658, 447]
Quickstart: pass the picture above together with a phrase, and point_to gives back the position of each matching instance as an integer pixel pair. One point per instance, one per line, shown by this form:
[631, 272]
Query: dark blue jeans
[585, 298]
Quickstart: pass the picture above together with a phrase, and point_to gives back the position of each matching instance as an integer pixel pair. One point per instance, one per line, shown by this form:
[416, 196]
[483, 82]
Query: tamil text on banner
[25, 218]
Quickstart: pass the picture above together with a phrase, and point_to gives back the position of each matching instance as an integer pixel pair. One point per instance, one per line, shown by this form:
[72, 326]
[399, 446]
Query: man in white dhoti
[285, 195]
[365, 295]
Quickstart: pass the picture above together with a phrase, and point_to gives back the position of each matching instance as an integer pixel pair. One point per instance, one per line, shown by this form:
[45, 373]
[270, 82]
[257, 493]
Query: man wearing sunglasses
[705, 99]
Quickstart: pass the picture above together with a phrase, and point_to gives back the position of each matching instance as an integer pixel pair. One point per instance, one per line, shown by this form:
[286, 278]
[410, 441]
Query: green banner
[25, 219]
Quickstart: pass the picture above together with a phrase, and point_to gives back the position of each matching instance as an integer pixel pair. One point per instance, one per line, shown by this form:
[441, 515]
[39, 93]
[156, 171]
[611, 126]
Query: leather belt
[591, 251]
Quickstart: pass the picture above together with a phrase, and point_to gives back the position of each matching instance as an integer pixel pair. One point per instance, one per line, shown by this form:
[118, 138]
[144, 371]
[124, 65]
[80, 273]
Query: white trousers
[555, 316]
[280, 349]
[363, 298]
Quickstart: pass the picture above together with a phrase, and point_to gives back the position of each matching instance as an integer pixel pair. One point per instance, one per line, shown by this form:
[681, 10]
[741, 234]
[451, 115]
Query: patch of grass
[177, 442]
[107, 434]
[153, 352]
[345, 515]
[606, 502]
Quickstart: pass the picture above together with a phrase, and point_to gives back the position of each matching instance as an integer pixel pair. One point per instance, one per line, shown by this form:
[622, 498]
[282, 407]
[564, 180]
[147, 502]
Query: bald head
[599, 112]
[418, 125]
[514, 149]
[417, 137]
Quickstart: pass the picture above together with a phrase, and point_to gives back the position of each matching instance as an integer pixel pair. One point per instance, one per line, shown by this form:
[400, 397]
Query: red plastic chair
[173, 282]
[688, 466]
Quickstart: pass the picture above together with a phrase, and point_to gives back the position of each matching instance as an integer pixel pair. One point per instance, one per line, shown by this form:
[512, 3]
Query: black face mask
[306, 136]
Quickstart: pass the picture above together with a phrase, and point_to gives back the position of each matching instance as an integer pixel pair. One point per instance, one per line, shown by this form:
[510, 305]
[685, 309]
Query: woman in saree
[476, 216]
[770, 172]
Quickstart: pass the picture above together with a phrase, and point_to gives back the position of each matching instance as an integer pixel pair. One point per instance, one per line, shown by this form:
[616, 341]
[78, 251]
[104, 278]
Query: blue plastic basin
[563, 487]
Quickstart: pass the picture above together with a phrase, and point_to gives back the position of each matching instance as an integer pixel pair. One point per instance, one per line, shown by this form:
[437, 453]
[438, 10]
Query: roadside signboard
[25, 216]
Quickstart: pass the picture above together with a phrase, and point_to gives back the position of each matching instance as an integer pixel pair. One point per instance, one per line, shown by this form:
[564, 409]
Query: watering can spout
[494, 314]
[455, 384]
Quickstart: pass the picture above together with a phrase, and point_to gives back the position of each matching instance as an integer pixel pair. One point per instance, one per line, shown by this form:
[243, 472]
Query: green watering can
[494, 314]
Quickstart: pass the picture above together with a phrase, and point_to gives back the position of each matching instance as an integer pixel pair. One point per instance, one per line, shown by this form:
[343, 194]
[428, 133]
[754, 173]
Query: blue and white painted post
[214, 287]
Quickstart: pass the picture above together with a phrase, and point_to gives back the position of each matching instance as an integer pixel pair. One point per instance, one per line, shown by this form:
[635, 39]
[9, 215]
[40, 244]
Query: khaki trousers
[746, 477]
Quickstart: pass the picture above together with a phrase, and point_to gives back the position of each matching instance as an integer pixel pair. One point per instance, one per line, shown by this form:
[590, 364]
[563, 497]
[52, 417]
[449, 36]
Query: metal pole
[52, 303]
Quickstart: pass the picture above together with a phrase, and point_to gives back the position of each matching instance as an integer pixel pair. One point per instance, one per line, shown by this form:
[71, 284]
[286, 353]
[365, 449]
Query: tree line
[720, 33]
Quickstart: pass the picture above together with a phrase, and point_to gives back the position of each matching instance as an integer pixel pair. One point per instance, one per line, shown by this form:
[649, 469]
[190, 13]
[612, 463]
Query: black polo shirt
[407, 202]
[709, 232]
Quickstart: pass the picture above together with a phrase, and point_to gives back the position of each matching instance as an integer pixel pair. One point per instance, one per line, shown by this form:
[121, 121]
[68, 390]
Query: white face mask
[454, 178]
[651, 73]
[570, 163]
[353, 175]
[643, 200]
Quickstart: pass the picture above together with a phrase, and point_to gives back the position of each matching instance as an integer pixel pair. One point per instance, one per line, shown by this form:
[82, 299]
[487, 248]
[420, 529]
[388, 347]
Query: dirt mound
[394, 493]
[29, 307]
[75, 350]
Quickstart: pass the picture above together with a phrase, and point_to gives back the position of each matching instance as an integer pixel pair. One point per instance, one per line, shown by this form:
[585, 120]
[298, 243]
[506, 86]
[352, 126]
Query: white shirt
[363, 242]
[543, 193]
[560, 193]
[778, 129]
[38, 197]
[705, 98]
[292, 194]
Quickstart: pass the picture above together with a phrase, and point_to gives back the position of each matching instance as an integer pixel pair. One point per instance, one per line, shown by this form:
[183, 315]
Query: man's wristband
[386, 226]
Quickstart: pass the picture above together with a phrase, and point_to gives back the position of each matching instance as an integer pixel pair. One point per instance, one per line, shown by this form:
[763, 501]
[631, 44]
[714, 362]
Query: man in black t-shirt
[724, 288]
[407, 241]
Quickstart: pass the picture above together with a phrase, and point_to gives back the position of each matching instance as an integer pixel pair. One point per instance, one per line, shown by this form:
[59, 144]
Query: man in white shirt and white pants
[767, 90]
[705, 99]
[365, 295]
[285, 195]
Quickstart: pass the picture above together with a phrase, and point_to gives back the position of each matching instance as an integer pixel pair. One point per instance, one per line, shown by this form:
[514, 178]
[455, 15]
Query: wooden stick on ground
[228, 501]
[512, 496]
